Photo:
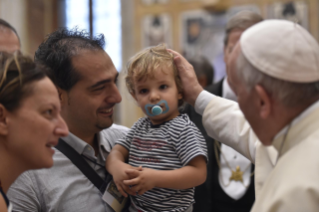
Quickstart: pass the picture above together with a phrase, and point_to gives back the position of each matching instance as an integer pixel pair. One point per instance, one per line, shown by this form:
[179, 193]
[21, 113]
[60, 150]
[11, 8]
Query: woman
[30, 121]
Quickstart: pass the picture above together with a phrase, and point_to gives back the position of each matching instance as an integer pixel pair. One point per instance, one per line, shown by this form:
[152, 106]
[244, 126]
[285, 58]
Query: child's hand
[120, 175]
[140, 181]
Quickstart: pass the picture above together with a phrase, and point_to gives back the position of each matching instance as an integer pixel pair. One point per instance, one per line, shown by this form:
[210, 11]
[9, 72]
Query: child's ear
[180, 95]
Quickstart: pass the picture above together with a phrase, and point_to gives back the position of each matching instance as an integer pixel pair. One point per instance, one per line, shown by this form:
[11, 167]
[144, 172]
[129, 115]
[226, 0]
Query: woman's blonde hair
[143, 64]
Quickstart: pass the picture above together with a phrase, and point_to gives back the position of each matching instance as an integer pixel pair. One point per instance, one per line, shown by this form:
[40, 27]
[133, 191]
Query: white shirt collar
[228, 93]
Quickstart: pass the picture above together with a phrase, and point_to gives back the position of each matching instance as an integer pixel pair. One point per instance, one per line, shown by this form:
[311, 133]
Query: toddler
[167, 147]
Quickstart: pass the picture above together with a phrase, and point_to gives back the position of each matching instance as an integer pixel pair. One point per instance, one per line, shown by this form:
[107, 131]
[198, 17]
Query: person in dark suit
[230, 183]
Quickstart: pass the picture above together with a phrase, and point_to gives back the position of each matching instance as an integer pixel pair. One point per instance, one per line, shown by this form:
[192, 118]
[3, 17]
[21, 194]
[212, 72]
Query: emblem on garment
[236, 175]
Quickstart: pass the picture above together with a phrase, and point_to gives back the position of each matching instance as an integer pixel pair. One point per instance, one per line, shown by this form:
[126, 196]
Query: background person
[9, 39]
[203, 69]
[30, 121]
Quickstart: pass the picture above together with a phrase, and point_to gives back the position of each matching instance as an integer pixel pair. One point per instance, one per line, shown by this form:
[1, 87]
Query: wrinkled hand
[142, 180]
[120, 175]
[191, 87]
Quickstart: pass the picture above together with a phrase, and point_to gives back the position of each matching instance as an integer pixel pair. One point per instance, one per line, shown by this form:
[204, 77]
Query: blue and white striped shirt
[171, 145]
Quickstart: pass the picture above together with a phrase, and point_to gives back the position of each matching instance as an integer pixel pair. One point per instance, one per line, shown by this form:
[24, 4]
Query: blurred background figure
[203, 69]
[9, 39]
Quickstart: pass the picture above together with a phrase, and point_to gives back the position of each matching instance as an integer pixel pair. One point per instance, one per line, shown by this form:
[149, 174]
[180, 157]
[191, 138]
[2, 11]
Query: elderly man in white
[274, 71]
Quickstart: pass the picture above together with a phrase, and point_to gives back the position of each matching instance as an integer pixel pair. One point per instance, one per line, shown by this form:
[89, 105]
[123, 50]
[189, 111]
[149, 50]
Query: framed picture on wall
[296, 11]
[202, 34]
[156, 29]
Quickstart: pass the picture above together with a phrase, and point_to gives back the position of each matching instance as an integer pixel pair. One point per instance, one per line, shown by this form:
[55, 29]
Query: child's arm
[188, 176]
[116, 166]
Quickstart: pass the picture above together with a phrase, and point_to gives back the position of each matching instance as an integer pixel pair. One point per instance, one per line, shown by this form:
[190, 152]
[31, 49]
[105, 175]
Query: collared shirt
[64, 188]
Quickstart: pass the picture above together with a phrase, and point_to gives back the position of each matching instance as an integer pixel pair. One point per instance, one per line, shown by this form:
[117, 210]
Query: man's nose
[114, 95]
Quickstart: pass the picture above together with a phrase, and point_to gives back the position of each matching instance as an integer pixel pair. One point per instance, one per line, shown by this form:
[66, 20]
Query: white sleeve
[202, 101]
[224, 121]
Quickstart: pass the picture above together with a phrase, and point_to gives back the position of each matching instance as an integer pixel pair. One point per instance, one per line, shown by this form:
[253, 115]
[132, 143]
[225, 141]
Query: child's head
[152, 77]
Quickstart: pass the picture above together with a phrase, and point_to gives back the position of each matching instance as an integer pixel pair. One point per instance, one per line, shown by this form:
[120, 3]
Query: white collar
[228, 93]
[297, 119]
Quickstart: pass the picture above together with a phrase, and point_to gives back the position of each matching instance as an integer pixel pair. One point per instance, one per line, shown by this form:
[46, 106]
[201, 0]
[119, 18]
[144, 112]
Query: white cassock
[288, 182]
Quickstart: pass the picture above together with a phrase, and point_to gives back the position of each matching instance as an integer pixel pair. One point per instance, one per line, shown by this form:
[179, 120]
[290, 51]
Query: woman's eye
[49, 112]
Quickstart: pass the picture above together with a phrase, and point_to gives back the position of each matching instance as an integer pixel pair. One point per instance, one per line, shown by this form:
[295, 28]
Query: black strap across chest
[4, 197]
[83, 166]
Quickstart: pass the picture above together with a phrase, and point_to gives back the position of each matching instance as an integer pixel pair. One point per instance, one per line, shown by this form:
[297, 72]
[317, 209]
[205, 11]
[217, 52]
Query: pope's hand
[188, 77]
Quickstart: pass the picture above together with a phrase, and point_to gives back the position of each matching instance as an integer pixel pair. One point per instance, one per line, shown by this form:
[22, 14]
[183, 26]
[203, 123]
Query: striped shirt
[168, 146]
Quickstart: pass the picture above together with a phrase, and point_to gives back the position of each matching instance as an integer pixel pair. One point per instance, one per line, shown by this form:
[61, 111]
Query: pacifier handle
[156, 110]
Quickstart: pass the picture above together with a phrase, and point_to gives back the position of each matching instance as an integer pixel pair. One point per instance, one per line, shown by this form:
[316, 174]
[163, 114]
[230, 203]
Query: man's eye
[143, 91]
[99, 88]
[163, 87]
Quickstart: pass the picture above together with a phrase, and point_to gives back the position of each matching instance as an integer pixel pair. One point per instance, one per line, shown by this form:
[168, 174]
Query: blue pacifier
[156, 109]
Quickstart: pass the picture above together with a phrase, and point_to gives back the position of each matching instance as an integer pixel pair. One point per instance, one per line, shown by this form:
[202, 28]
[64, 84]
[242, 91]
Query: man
[278, 93]
[86, 81]
[9, 39]
[221, 192]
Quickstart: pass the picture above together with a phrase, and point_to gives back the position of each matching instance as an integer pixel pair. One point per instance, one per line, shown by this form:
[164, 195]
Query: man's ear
[3, 120]
[61, 96]
[264, 102]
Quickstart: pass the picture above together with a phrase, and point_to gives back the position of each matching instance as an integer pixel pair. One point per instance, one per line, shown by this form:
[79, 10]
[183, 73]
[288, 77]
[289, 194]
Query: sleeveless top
[9, 206]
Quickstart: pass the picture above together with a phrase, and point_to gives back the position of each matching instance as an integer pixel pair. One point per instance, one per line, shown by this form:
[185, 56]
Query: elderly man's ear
[3, 120]
[264, 102]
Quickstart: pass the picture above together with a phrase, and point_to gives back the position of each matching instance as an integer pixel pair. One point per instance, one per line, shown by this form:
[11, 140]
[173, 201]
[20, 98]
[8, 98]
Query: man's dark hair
[57, 50]
[9, 26]
[203, 67]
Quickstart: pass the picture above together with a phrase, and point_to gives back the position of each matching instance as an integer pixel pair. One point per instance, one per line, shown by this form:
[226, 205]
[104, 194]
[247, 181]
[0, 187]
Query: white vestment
[290, 185]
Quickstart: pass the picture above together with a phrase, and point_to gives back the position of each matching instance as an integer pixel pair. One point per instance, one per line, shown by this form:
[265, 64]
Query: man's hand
[188, 77]
[120, 175]
[142, 180]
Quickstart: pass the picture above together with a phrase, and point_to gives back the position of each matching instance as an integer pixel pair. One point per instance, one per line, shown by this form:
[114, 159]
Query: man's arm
[222, 118]
[22, 194]
[224, 121]
[186, 177]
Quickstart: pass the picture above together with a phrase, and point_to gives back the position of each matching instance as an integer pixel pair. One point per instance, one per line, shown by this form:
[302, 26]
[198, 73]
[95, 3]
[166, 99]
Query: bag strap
[81, 163]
